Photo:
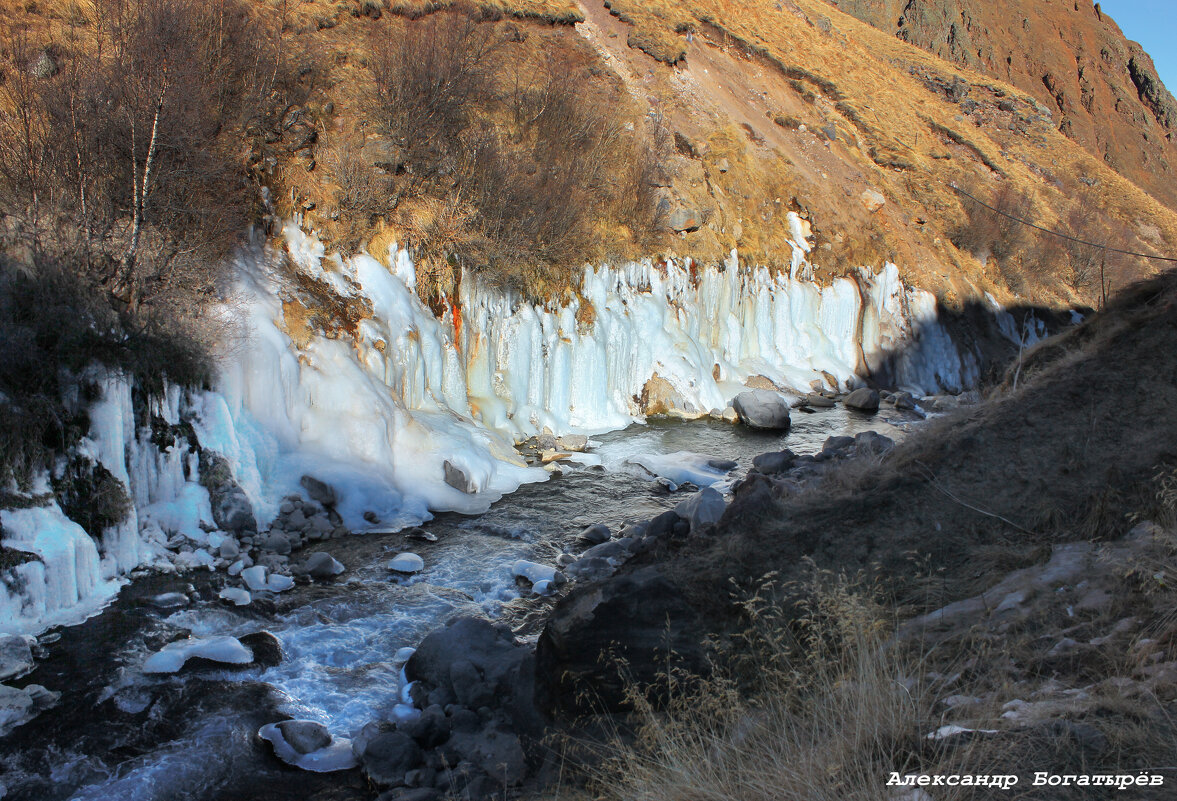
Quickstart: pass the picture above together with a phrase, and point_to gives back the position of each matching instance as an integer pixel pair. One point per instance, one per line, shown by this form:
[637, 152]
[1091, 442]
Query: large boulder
[319, 491]
[863, 399]
[702, 509]
[474, 659]
[604, 635]
[388, 756]
[231, 507]
[762, 408]
[16, 656]
[659, 397]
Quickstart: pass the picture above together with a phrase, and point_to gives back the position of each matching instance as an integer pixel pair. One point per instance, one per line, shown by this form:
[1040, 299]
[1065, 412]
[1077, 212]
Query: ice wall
[379, 407]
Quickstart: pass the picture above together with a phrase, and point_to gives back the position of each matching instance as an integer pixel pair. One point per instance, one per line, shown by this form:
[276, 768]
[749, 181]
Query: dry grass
[813, 705]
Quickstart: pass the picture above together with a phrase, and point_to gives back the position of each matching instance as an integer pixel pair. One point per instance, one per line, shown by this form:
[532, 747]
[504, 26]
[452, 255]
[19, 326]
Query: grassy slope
[747, 65]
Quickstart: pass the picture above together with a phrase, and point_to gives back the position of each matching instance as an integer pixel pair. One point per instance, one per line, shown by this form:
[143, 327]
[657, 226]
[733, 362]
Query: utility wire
[1096, 245]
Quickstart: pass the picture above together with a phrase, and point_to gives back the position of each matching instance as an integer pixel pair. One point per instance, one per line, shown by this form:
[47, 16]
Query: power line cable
[1096, 245]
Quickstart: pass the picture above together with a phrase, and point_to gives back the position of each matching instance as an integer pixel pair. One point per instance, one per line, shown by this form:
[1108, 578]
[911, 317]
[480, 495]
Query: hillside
[672, 128]
[1103, 90]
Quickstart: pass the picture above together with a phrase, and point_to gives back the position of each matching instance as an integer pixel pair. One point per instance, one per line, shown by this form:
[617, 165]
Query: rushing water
[117, 734]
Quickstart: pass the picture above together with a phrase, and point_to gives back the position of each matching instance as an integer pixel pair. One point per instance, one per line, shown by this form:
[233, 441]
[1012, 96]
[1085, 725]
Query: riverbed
[119, 734]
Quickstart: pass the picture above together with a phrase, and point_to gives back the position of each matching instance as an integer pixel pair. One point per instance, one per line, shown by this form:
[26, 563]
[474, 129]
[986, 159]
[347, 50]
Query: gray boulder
[498, 753]
[817, 401]
[305, 736]
[388, 756]
[319, 491]
[231, 508]
[762, 408]
[275, 542]
[773, 462]
[872, 442]
[456, 477]
[16, 656]
[594, 535]
[323, 565]
[863, 399]
[702, 509]
[835, 444]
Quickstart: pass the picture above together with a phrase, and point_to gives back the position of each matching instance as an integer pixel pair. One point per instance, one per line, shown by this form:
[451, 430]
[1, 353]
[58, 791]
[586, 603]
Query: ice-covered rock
[762, 408]
[308, 745]
[406, 563]
[235, 595]
[16, 656]
[19, 706]
[279, 583]
[224, 649]
[255, 577]
[535, 572]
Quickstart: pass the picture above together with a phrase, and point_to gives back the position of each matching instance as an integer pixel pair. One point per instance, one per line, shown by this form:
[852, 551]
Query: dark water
[118, 734]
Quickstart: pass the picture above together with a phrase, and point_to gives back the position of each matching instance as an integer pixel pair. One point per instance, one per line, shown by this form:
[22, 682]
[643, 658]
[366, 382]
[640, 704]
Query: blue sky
[1153, 23]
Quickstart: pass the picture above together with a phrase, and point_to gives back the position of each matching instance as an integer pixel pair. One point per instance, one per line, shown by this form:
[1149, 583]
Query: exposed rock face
[1101, 89]
[660, 397]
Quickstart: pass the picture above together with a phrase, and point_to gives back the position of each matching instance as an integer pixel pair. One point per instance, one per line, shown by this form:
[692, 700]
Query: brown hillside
[1102, 90]
[590, 131]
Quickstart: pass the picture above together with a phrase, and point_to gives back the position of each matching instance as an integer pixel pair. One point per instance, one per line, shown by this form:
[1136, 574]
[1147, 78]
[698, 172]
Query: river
[119, 734]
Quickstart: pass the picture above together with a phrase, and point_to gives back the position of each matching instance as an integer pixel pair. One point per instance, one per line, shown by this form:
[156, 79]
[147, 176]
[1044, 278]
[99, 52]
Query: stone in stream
[834, 444]
[773, 462]
[572, 442]
[704, 508]
[594, 535]
[308, 745]
[16, 655]
[863, 399]
[21, 705]
[266, 650]
[406, 563]
[323, 565]
[817, 401]
[762, 408]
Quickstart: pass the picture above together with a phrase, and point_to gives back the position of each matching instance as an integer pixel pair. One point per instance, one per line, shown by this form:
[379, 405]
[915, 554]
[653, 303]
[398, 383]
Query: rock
[231, 508]
[323, 565]
[308, 745]
[615, 551]
[761, 382]
[833, 445]
[457, 478]
[774, 462]
[759, 408]
[641, 618]
[591, 569]
[235, 595]
[504, 668]
[553, 456]
[304, 736]
[498, 753]
[430, 729]
[406, 563]
[296, 519]
[406, 794]
[18, 706]
[546, 441]
[863, 399]
[817, 401]
[572, 442]
[229, 549]
[266, 650]
[872, 200]
[254, 577]
[43, 66]
[702, 509]
[535, 572]
[468, 685]
[16, 655]
[685, 220]
[222, 650]
[722, 465]
[275, 542]
[872, 443]
[903, 401]
[319, 491]
[659, 397]
[594, 535]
